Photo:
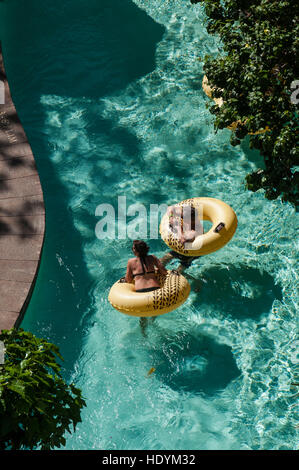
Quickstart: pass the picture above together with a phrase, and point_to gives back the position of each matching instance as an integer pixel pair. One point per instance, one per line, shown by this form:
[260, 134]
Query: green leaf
[44, 405]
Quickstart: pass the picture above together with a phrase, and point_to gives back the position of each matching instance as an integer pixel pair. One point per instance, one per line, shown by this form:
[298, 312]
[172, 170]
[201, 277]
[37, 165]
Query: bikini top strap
[144, 271]
[143, 264]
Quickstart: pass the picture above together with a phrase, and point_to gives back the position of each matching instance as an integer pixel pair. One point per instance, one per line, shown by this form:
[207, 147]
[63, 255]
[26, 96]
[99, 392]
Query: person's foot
[175, 271]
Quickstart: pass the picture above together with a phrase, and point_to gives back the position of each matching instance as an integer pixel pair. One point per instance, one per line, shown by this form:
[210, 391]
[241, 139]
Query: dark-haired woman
[142, 270]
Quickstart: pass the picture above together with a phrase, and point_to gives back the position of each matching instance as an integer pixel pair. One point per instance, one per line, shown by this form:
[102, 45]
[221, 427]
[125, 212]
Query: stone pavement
[22, 213]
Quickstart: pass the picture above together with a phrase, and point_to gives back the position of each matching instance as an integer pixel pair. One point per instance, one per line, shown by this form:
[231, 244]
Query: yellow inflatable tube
[174, 291]
[224, 222]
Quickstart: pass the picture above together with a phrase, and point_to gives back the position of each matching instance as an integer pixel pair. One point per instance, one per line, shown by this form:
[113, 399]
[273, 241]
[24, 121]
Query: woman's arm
[188, 236]
[159, 265]
[129, 276]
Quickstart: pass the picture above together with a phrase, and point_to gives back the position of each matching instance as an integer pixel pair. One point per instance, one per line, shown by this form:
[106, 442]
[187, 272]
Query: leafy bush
[255, 74]
[36, 405]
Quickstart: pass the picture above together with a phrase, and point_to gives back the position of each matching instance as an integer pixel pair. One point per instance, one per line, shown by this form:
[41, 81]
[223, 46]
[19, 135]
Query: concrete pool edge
[22, 212]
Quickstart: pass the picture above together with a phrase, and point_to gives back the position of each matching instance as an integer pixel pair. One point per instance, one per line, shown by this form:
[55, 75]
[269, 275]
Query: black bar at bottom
[148, 458]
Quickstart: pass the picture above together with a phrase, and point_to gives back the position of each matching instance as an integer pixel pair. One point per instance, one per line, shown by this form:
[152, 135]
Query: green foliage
[253, 73]
[36, 405]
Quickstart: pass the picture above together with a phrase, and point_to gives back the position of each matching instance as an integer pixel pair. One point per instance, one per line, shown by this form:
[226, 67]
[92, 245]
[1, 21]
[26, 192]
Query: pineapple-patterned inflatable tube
[173, 292]
[224, 224]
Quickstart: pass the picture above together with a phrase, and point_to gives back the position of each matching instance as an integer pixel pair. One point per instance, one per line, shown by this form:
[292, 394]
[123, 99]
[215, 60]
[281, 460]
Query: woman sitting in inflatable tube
[186, 226]
[148, 289]
[142, 270]
[224, 224]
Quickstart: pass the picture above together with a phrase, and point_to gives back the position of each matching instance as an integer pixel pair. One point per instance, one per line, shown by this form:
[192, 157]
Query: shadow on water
[253, 155]
[69, 50]
[237, 290]
[198, 365]
[93, 51]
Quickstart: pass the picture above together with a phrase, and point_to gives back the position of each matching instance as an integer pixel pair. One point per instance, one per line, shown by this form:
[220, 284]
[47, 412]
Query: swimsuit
[143, 270]
[146, 289]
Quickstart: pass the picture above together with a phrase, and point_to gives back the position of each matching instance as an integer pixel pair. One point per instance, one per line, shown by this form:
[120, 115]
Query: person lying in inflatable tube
[141, 269]
[186, 226]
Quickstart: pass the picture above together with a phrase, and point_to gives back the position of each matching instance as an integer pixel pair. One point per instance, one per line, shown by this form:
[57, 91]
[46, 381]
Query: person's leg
[186, 262]
[167, 258]
[181, 268]
[143, 324]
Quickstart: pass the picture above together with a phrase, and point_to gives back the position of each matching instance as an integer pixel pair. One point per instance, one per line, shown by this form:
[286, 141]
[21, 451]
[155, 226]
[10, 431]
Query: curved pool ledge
[22, 212]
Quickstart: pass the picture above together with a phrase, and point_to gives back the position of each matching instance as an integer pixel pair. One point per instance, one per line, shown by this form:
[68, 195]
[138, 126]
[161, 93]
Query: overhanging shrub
[37, 407]
[255, 74]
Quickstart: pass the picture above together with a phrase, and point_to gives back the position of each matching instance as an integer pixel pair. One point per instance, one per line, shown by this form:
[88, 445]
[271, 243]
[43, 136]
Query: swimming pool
[111, 100]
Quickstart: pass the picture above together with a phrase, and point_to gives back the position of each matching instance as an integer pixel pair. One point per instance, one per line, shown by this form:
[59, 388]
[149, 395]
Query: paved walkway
[22, 213]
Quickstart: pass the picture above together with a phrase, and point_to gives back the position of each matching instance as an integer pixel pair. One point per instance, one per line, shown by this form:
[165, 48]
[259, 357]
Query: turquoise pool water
[110, 96]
